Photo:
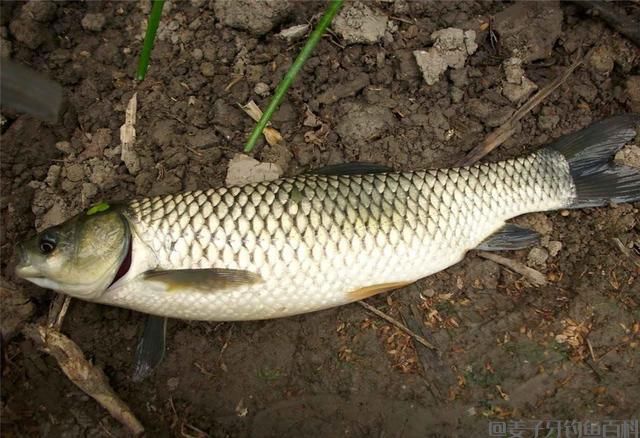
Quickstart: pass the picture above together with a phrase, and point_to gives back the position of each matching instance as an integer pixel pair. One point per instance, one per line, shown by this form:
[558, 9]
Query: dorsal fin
[351, 169]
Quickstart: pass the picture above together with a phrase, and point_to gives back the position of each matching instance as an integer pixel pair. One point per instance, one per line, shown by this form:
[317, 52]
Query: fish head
[81, 257]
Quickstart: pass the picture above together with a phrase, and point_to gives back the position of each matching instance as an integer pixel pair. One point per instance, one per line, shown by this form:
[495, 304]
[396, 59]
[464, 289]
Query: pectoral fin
[509, 238]
[151, 347]
[205, 280]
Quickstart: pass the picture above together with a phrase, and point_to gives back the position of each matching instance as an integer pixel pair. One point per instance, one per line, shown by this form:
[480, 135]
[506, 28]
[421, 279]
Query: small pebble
[518, 93]
[456, 94]
[632, 88]
[629, 156]
[357, 23]
[293, 33]
[89, 190]
[602, 60]
[195, 24]
[513, 70]
[244, 169]
[74, 172]
[197, 54]
[207, 69]
[261, 89]
[172, 383]
[93, 22]
[537, 257]
[42, 11]
[53, 175]
[68, 186]
[554, 247]
[64, 146]
[548, 122]
[209, 52]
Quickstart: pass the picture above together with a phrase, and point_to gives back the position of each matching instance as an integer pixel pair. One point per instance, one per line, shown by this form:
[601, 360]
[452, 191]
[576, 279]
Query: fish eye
[47, 244]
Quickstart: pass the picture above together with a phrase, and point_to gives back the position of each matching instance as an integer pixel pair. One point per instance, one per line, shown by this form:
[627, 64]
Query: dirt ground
[507, 350]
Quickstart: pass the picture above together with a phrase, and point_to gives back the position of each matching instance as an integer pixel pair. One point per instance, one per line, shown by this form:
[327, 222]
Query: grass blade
[286, 82]
[149, 38]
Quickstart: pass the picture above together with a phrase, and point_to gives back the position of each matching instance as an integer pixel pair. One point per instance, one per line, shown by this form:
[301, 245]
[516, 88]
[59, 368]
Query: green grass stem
[149, 38]
[278, 96]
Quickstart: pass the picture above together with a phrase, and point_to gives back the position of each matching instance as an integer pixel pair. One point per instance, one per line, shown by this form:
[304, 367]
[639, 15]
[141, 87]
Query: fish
[318, 240]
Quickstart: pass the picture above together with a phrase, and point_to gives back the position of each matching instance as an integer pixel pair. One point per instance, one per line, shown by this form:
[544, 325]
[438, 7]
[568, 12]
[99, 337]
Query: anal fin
[369, 291]
[510, 238]
[151, 347]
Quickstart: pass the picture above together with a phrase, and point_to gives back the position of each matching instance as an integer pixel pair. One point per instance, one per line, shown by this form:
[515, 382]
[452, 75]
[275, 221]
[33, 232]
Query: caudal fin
[590, 152]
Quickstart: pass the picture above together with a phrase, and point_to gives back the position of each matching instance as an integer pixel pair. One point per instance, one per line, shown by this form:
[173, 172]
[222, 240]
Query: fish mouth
[28, 272]
[24, 268]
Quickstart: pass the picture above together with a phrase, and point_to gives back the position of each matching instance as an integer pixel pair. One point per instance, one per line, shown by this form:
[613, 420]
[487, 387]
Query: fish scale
[316, 240]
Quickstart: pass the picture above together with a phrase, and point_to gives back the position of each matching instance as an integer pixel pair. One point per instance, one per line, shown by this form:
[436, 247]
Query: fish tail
[589, 153]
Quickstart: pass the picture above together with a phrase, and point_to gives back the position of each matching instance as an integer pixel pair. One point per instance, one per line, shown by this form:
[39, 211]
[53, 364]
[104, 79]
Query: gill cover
[80, 257]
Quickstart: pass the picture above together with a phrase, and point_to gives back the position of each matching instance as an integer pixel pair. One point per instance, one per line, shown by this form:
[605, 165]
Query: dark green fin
[151, 347]
[26, 90]
[590, 152]
[205, 280]
[351, 169]
[510, 238]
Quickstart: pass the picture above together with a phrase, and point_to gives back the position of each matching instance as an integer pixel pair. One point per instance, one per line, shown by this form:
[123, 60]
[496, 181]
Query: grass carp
[315, 241]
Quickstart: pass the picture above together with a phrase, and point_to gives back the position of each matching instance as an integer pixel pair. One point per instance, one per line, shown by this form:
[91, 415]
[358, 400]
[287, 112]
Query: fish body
[296, 245]
[319, 241]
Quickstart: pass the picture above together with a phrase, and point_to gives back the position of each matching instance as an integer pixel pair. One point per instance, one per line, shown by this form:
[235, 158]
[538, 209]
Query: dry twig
[502, 133]
[82, 373]
[128, 136]
[76, 367]
[59, 309]
[436, 374]
[535, 277]
[234, 81]
[627, 252]
[398, 324]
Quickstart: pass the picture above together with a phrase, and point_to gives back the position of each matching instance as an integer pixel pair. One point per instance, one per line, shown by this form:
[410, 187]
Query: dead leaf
[272, 135]
[128, 137]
